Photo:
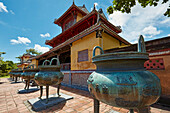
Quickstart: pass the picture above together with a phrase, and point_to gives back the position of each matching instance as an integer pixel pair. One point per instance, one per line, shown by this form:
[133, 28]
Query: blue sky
[27, 24]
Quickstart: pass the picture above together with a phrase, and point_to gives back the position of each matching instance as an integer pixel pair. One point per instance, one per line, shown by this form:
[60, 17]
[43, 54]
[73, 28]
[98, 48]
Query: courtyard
[12, 102]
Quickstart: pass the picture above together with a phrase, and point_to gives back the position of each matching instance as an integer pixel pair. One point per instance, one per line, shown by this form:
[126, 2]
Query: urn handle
[141, 44]
[58, 62]
[45, 62]
[94, 50]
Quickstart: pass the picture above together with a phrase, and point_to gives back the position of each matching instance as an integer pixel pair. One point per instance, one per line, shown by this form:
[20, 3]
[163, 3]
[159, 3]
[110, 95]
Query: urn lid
[17, 70]
[121, 60]
[138, 55]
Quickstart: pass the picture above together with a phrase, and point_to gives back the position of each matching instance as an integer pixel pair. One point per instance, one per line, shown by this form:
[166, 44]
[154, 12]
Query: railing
[65, 66]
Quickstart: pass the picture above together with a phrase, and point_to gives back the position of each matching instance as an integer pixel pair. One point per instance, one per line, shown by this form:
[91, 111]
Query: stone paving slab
[112, 111]
[12, 102]
[40, 104]
[22, 91]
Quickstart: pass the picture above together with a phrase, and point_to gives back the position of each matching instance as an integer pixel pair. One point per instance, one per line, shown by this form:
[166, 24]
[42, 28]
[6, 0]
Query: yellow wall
[109, 42]
[79, 16]
[35, 62]
[87, 42]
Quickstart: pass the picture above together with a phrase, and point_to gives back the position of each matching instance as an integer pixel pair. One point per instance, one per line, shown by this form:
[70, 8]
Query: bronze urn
[49, 75]
[11, 74]
[121, 80]
[29, 74]
[17, 73]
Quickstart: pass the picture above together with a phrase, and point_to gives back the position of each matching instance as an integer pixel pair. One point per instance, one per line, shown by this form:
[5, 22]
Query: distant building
[27, 59]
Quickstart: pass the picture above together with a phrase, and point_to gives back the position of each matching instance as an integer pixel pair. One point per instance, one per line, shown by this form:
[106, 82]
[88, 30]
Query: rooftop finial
[94, 7]
[73, 1]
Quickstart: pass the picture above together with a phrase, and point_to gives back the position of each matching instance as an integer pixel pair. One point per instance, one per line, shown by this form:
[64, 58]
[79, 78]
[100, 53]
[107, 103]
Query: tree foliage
[126, 5]
[29, 51]
[33, 51]
[19, 57]
[6, 66]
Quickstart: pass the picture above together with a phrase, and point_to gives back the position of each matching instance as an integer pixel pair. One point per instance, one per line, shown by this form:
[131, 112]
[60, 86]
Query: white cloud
[45, 35]
[139, 21]
[96, 5]
[168, 34]
[40, 48]
[167, 20]
[3, 23]
[12, 12]
[151, 31]
[21, 40]
[3, 8]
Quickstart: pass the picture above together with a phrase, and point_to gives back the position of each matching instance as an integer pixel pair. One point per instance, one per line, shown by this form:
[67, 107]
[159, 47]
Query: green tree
[126, 5]
[19, 57]
[29, 51]
[33, 51]
[11, 65]
[6, 66]
[1, 54]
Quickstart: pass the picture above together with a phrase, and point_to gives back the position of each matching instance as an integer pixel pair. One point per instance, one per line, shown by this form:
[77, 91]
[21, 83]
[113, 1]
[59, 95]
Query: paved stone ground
[12, 102]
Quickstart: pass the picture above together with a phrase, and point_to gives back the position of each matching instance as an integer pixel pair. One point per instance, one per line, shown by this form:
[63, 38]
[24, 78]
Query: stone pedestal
[40, 104]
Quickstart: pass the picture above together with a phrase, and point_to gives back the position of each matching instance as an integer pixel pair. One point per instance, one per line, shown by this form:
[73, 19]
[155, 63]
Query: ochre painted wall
[79, 16]
[164, 75]
[35, 62]
[109, 42]
[87, 42]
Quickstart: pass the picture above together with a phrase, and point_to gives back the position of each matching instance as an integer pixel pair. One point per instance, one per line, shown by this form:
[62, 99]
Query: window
[83, 55]
[68, 23]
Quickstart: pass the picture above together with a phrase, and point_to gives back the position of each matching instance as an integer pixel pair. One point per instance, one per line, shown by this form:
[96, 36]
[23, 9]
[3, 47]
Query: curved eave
[113, 33]
[58, 21]
[111, 26]
[83, 34]
[49, 42]
[117, 30]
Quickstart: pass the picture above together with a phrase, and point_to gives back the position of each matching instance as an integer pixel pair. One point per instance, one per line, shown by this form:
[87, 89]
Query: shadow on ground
[2, 82]
[161, 106]
[76, 91]
[51, 108]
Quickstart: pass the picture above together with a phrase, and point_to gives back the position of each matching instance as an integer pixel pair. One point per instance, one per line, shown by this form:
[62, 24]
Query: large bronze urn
[121, 80]
[11, 75]
[29, 74]
[49, 75]
[17, 73]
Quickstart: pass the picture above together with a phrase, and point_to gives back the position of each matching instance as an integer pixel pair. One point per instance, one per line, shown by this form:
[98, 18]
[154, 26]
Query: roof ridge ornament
[94, 8]
[73, 2]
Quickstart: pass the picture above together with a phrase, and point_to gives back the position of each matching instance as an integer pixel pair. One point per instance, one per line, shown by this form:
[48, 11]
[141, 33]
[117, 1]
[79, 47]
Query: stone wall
[76, 79]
